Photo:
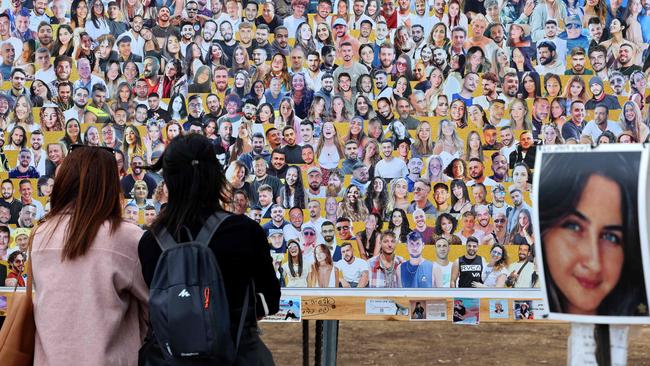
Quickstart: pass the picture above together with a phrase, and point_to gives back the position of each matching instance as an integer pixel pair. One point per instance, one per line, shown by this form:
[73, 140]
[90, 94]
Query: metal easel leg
[305, 343]
[330, 342]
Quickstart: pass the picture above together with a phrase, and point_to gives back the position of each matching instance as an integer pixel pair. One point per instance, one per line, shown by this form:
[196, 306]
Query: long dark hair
[565, 176]
[195, 180]
[290, 260]
[87, 187]
[404, 228]
[299, 193]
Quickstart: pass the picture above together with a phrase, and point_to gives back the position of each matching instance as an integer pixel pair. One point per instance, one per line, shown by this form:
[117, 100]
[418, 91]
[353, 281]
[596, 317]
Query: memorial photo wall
[379, 143]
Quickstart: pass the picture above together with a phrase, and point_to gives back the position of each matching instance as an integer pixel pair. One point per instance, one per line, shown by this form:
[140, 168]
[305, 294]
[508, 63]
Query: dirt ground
[433, 343]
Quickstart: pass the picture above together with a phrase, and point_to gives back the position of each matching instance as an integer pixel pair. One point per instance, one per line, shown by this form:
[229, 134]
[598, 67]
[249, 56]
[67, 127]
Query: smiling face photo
[590, 240]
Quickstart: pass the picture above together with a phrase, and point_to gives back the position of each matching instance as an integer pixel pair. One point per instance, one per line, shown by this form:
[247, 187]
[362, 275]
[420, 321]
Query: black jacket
[242, 252]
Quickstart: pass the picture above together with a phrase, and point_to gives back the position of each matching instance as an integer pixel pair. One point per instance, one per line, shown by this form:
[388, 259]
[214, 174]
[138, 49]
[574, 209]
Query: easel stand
[327, 336]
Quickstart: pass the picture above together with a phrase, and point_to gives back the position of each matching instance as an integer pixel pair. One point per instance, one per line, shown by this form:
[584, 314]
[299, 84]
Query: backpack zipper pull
[206, 294]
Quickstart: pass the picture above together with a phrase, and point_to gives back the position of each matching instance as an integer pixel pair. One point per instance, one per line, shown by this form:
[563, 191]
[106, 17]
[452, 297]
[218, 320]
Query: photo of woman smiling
[589, 226]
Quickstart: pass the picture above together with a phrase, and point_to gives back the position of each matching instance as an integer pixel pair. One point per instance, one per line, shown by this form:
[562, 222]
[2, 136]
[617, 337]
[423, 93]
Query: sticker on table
[466, 311]
[385, 307]
[290, 310]
[499, 309]
[523, 310]
[437, 309]
[418, 310]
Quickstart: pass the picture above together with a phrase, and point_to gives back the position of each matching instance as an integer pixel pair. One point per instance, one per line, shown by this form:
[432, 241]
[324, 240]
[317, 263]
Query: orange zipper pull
[206, 294]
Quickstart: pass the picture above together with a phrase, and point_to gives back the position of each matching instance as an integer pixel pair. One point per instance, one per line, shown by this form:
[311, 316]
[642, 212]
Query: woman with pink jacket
[90, 299]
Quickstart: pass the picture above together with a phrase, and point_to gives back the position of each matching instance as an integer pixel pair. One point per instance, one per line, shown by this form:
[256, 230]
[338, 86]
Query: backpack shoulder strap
[211, 226]
[164, 238]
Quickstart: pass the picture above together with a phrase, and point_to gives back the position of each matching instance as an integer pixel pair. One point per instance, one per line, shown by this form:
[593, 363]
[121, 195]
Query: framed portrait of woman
[591, 226]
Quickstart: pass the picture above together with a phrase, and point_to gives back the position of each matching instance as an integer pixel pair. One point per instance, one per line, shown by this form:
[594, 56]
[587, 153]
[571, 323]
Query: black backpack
[188, 309]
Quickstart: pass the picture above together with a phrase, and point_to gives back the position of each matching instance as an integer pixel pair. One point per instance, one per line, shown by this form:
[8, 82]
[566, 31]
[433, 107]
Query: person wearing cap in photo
[547, 59]
[600, 97]
[360, 177]
[20, 240]
[573, 34]
[315, 181]
[276, 241]
[341, 35]
[417, 272]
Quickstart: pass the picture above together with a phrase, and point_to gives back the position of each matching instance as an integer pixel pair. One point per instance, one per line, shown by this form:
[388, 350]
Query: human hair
[459, 183]
[299, 190]
[291, 262]
[195, 180]
[562, 186]
[404, 228]
[438, 227]
[87, 187]
[503, 261]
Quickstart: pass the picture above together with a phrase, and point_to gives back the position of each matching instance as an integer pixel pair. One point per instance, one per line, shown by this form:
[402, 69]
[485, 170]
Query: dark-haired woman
[295, 269]
[84, 233]
[197, 190]
[590, 233]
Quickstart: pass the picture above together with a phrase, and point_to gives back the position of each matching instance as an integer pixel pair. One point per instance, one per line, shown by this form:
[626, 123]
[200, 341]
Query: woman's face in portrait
[129, 135]
[93, 136]
[517, 112]
[277, 63]
[130, 71]
[575, 89]
[355, 124]
[435, 167]
[319, 254]
[371, 222]
[556, 109]
[216, 52]
[447, 129]
[154, 132]
[353, 194]
[240, 80]
[321, 32]
[330, 204]
[397, 218]
[240, 173]
[46, 189]
[64, 36]
[458, 169]
[502, 57]
[141, 191]
[401, 189]
[443, 106]
[328, 130]
[210, 128]
[553, 87]
[454, 8]
[147, 35]
[239, 56]
[22, 109]
[457, 190]
[371, 150]
[591, 243]
[265, 114]
[425, 132]
[291, 177]
[474, 141]
[517, 56]
[177, 104]
[529, 85]
[519, 175]
[515, 33]
[173, 131]
[203, 76]
[630, 114]
[82, 10]
[173, 45]
[372, 8]
[426, 55]
[49, 117]
[439, 34]
[523, 220]
[446, 225]
[378, 185]
[474, 114]
[294, 249]
[400, 86]
[259, 89]
[4, 105]
[457, 110]
[113, 71]
[73, 128]
[549, 134]
[367, 55]
[305, 33]
[285, 109]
